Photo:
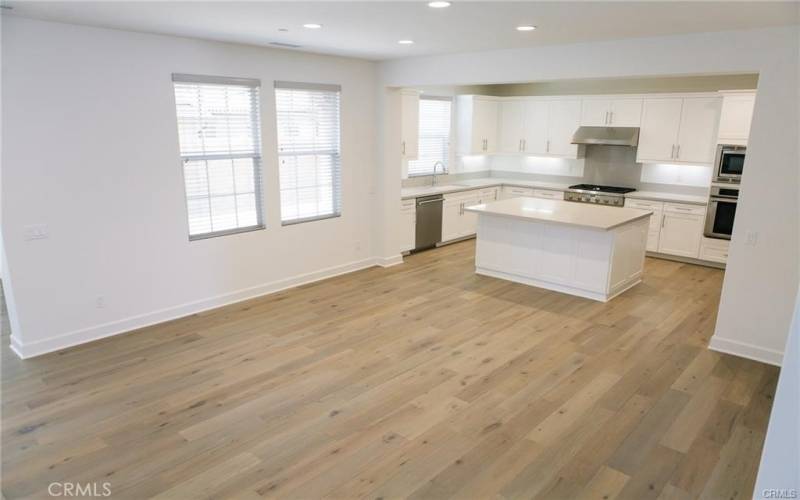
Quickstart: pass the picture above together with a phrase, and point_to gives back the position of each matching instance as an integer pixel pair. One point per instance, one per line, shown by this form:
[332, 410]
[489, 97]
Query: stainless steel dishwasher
[429, 222]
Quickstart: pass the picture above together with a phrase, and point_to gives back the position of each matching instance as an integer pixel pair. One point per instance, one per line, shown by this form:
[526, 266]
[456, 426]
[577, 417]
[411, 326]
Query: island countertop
[568, 213]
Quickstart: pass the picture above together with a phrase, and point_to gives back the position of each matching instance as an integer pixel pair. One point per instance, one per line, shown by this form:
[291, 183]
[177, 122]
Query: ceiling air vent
[285, 45]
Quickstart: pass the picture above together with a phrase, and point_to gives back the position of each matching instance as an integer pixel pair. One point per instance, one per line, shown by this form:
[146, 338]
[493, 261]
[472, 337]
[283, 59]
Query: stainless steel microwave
[729, 163]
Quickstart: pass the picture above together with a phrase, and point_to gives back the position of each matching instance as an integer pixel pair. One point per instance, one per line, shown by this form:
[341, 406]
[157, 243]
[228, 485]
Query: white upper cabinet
[678, 130]
[661, 120]
[564, 118]
[594, 112]
[697, 138]
[409, 124]
[477, 124]
[539, 126]
[611, 112]
[534, 140]
[626, 112]
[737, 113]
[512, 126]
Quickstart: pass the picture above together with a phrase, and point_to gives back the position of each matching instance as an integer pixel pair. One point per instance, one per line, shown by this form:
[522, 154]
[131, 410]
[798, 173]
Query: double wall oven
[724, 195]
[721, 211]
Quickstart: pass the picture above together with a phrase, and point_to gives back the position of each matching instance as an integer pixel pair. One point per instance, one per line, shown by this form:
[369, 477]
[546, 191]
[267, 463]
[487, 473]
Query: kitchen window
[434, 136]
[220, 149]
[309, 152]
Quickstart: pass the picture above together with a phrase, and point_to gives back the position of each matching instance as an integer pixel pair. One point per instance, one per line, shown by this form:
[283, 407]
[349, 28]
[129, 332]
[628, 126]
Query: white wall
[91, 150]
[761, 279]
[780, 459]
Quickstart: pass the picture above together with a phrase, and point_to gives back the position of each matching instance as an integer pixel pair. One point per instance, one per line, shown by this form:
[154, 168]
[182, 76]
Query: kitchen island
[581, 249]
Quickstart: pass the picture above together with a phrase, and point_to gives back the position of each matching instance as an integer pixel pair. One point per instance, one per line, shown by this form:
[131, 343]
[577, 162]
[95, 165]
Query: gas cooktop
[603, 195]
[602, 189]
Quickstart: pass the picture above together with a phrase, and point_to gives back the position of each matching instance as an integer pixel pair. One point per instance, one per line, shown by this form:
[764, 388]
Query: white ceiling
[371, 30]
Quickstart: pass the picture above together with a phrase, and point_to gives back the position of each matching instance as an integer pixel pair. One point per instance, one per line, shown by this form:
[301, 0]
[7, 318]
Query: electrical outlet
[752, 238]
[36, 232]
[100, 302]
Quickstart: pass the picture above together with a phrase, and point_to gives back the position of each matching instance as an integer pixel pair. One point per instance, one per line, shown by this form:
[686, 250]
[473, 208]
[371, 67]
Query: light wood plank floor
[422, 380]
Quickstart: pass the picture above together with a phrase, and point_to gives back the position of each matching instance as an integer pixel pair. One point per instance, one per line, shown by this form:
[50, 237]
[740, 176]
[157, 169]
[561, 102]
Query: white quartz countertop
[466, 185]
[569, 213]
[486, 182]
[659, 196]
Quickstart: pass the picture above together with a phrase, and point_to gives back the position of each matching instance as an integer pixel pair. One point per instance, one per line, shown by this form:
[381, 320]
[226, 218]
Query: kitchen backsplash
[608, 165]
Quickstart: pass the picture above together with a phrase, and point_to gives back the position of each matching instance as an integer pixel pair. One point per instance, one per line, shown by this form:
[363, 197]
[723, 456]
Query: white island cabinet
[580, 249]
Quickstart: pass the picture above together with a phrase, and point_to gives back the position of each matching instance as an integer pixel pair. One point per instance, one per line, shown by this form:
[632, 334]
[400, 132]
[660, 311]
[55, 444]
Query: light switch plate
[36, 232]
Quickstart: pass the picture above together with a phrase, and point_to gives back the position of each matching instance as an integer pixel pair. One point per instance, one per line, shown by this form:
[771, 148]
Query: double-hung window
[434, 136]
[220, 147]
[309, 153]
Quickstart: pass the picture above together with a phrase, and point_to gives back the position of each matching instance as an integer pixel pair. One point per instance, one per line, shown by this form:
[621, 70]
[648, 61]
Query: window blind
[434, 136]
[309, 156]
[220, 147]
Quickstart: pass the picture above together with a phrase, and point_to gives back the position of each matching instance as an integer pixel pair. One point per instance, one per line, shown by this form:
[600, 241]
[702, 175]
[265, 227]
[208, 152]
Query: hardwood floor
[422, 380]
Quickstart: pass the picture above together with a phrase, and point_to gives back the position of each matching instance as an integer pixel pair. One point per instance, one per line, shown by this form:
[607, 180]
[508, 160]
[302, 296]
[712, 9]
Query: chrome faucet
[444, 171]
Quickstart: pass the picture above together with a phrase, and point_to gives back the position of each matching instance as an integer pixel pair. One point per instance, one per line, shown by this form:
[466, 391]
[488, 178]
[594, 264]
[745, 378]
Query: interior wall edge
[746, 350]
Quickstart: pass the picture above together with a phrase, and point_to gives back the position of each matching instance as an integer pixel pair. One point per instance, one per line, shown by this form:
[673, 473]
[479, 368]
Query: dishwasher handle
[420, 203]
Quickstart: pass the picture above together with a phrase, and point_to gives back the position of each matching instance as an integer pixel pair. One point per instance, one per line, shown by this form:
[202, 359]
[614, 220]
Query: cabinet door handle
[548, 146]
[524, 144]
[678, 152]
[606, 120]
[663, 220]
[520, 144]
[610, 117]
[672, 152]
[404, 147]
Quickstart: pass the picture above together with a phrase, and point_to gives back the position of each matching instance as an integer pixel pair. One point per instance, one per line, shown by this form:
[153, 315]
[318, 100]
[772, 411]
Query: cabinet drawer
[679, 208]
[462, 195]
[714, 250]
[644, 204]
[548, 194]
[408, 204]
[488, 195]
[518, 191]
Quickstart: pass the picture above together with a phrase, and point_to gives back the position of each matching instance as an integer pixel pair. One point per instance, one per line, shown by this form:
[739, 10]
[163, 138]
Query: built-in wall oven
[721, 211]
[729, 163]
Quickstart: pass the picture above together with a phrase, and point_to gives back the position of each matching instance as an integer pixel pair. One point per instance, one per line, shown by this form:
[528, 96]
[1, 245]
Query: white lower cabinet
[714, 250]
[654, 232]
[682, 230]
[677, 229]
[408, 221]
[456, 221]
[451, 218]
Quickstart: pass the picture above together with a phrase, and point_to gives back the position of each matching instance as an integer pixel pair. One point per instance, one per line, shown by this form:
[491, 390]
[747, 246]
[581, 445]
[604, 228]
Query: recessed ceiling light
[439, 4]
[405, 42]
[312, 26]
[526, 27]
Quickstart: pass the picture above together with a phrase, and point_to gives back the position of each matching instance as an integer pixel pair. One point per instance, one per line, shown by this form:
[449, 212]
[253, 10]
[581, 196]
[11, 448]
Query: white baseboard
[389, 261]
[77, 337]
[745, 350]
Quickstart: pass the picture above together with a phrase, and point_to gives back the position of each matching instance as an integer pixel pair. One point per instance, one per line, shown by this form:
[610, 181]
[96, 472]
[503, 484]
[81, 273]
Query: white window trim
[337, 181]
[449, 157]
[256, 156]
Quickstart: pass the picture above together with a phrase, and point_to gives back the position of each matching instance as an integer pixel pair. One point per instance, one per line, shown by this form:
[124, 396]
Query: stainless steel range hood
[610, 136]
